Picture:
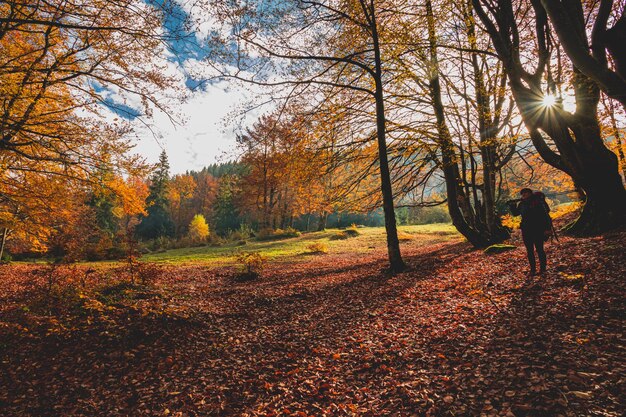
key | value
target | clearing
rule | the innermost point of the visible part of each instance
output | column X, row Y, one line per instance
column 459, row 333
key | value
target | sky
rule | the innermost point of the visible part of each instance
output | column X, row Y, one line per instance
column 206, row 122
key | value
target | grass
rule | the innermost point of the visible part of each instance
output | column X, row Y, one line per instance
column 288, row 249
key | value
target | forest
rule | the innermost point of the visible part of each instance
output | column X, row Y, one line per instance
column 367, row 247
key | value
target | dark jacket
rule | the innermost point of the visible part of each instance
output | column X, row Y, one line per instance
column 535, row 213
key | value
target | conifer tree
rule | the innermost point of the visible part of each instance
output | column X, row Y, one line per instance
column 158, row 223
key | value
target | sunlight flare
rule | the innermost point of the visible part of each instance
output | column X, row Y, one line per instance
column 549, row 100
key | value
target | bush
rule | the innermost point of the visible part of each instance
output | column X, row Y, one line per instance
column 6, row 258
column 346, row 234
column 115, row 253
column 235, row 235
column 269, row 234
column 317, row 248
column 244, row 232
column 339, row 236
column 252, row 264
column 265, row 233
column 215, row 240
column 160, row 242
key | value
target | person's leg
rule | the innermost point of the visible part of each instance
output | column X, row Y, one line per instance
column 530, row 251
column 541, row 253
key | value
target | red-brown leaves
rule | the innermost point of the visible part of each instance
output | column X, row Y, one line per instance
column 458, row 334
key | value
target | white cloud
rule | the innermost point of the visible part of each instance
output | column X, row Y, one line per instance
column 208, row 124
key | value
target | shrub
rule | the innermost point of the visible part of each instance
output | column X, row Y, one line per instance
column 317, row 248
column 252, row 264
column 265, row 233
column 116, row 253
column 269, row 234
column 352, row 231
column 404, row 237
column 215, row 240
column 160, row 242
column 346, row 234
column 245, row 231
column 291, row 232
column 6, row 258
column 339, row 236
column 235, row 235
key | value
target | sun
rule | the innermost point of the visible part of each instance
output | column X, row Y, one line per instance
column 549, row 100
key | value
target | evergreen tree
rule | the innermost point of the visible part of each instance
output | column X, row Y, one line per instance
column 102, row 199
column 225, row 213
column 158, row 222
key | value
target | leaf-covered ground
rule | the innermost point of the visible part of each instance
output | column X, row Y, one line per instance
column 459, row 333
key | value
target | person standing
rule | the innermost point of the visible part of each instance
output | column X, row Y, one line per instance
column 536, row 225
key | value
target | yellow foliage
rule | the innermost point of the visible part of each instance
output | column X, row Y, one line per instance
column 198, row 228
column 317, row 247
column 566, row 208
column 512, row 222
column 252, row 262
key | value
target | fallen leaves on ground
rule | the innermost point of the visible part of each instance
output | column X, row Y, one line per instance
column 459, row 333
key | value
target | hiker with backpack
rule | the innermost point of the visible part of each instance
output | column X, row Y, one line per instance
column 536, row 225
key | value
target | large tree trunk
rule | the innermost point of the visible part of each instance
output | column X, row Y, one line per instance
column 582, row 154
column 489, row 121
column 393, row 244
column 458, row 202
column 580, row 151
column 605, row 205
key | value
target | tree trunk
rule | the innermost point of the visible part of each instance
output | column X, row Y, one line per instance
column 582, row 155
column 581, row 152
column 393, row 244
column 618, row 140
column 321, row 225
column 455, row 195
column 5, row 232
column 605, row 206
column 489, row 121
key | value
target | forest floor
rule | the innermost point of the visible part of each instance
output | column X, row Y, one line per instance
column 458, row 333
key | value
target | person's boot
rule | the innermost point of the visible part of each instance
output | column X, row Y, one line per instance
column 542, row 266
column 532, row 272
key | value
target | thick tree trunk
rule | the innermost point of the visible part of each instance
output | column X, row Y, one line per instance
column 605, row 206
column 492, row 223
column 582, row 155
column 455, row 196
column 581, row 152
column 489, row 121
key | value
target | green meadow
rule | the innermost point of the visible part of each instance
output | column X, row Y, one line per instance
column 289, row 249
